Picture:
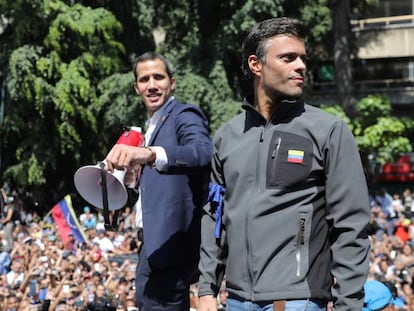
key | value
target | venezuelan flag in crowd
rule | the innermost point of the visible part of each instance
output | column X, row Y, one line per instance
column 66, row 220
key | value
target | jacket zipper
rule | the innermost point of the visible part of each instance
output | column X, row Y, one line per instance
column 277, row 147
column 258, row 186
column 300, row 238
column 261, row 135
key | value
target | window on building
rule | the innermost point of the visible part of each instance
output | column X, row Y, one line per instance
column 387, row 8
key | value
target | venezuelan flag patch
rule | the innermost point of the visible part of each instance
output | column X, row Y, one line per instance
column 295, row 156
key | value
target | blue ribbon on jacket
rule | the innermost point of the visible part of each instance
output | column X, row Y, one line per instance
column 215, row 195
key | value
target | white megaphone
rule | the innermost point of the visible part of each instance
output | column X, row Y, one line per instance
column 88, row 182
column 89, row 179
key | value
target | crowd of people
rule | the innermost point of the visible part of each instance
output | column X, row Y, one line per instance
column 38, row 271
column 391, row 233
column 298, row 192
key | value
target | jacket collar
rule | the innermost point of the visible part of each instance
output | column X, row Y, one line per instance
column 160, row 116
column 286, row 111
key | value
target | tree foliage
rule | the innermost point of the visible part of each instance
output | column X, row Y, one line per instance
column 53, row 108
column 379, row 136
column 70, row 84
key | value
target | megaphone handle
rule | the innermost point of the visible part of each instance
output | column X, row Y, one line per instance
column 107, row 225
column 115, row 219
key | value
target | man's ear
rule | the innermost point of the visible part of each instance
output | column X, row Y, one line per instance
column 136, row 89
column 255, row 65
column 172, row 83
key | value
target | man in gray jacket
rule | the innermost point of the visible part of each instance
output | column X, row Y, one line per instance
column 288, row 198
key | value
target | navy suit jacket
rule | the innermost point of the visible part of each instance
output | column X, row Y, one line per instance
column 172, row 200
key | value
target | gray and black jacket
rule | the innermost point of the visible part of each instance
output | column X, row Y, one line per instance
column 295, row 209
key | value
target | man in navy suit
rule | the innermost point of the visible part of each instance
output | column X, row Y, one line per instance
column 172, row 170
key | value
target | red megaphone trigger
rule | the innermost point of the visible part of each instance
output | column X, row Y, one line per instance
column 132, row 136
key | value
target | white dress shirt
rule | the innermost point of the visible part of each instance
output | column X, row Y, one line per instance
column 161, row 159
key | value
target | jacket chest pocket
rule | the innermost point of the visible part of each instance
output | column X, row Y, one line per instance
column 289, row 160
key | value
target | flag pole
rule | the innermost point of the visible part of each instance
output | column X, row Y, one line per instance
column 48, row 214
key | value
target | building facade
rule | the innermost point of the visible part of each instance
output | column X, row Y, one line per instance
column 384, row 61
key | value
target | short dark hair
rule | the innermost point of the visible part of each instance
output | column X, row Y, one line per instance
column 153, row 56
column 254, row 44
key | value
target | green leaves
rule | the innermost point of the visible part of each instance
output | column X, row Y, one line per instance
column 213, row 95
column 78, row 29
column 375, row 130
column 70, row 85
column 54, row 106
column 119, row 106
column 317, row 15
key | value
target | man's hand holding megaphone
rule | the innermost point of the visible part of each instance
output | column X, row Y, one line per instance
column 130, row 158
column 123, row 166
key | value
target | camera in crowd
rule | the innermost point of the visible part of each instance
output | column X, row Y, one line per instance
column 102, row 304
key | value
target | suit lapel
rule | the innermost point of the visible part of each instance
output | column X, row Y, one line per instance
column 164, row 116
